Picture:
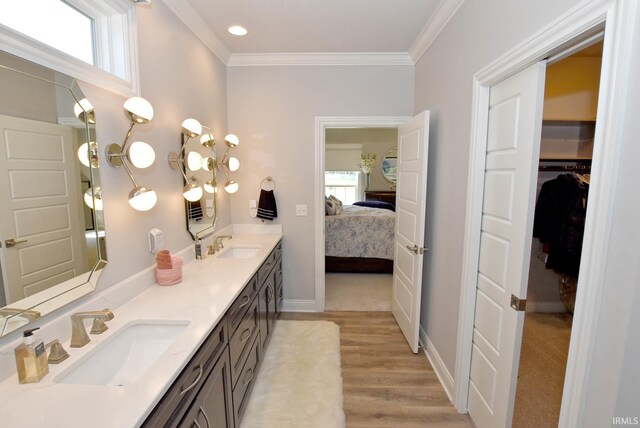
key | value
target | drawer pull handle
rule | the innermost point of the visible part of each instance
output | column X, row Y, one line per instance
column 195, row 422
column 243, row 338
column 206, row 418
column 195, row 382
column 245, row 303
column 269, row 293
column 246, row 381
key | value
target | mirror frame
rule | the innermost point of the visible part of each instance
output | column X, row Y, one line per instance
column 61, row 294
column 387, row 155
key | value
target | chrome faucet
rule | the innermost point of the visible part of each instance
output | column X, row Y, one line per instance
column 217, row 244
column 79, row 336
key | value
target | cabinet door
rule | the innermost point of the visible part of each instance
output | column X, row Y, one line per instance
column 263, row 304
column 213, row 407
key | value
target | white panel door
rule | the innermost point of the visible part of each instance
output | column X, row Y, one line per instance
column 41, row 206
column 411, row 196
column 513, row 145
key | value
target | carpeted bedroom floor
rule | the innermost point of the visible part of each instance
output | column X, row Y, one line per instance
column 358, row 291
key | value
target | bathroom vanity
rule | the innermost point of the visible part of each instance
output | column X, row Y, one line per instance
column 211, row 331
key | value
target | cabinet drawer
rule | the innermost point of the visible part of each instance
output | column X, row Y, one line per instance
column 268, row 264
column 241, row 340
column 242, row 390
column 238, row 309
column 174, row 403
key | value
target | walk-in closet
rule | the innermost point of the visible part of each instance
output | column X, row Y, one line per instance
column 569, row 122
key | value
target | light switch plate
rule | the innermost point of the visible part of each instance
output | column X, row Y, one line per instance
column 301, row 210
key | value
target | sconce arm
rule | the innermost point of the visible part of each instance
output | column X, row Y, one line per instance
column 126, row 139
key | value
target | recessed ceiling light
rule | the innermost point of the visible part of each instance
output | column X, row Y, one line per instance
column 237, row 30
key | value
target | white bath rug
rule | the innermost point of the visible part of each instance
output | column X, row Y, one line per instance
column 300, row 381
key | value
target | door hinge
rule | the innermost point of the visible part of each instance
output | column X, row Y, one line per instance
column 518, row 304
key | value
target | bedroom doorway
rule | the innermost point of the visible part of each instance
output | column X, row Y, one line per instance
column 359, row 182
column 348, row 139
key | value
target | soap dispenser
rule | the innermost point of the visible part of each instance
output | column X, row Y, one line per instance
column 31, row 359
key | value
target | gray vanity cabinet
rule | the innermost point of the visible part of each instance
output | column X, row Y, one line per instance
column 214, row 389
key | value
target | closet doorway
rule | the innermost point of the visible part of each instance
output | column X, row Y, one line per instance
column 359, row 223
column 566, row 148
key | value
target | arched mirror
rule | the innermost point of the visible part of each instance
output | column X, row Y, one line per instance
column 51, row 225
column 388, row 166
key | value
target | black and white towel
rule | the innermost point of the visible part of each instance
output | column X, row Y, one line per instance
column 267, row 209
column 195, row 210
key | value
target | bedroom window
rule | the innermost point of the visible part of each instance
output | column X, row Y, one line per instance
column 344, row 185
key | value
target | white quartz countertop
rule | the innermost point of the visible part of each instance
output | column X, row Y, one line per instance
column 207, row 290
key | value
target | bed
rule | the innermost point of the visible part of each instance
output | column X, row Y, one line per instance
column 360, row 239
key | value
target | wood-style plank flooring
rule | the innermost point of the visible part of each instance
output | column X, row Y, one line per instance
column 385, row 384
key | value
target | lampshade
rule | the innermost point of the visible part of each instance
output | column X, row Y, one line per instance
column 141, row 154
column 207, row 139
column 84, row 111
column 233, row 164
column 83, row 154
column 192, row 192
column 191, row 128
column 209, row 186
column 138, row 110
column 94, row 200
column 208, row 164
column 232, row 140
column 142, row 198
column 231, row 187
column 194, row 161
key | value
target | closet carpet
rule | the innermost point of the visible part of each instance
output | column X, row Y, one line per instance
column 358, row 291
column 543, row 360
column 385, row 384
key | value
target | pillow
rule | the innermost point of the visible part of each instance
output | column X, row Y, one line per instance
column 336, row 200
column 330, row 207
column 376, row 204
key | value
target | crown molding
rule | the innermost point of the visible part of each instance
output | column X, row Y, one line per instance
column 289, row 59
column 442, row 15
column 187, row 14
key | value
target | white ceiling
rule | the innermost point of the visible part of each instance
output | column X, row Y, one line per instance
column 316, row 26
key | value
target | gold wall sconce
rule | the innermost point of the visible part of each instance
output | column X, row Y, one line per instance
column 193, row 161
column 139, row 154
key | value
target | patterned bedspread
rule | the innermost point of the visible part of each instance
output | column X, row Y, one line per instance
column 360, row 232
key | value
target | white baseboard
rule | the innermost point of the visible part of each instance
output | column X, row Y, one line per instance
column 546, row 307
column 445, row 378
column 291, row 305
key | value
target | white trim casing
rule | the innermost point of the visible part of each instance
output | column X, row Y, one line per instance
column 445, row 378
column 584, row 18
column 322, row 123
column 440, row 18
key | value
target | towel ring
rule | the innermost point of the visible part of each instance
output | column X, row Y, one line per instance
column 268, row 180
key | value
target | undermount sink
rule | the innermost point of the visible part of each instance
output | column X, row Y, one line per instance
column 125, row 357
column 239, row 253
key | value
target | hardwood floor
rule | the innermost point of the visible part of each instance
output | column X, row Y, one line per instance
column 385, row 384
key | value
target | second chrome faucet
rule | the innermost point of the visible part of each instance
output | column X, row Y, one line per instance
column 79, row 336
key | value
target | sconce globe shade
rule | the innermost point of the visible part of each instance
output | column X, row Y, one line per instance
column 234, row 164
column 138, row 110
column 232, row 140
column 210, row 186
column 207, row 140
column 142, row 198
column 84, row 109
column 192, row 192
column 208, row 164
column 141, row 154
column 191, row 128
column 194, row 161
column 83, row 154
column 94, row 201
column 231, row 187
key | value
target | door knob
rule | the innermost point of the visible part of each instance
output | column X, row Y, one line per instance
column 416, row 250
column 12, row 242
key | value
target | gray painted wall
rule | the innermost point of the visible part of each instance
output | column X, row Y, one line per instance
column 478, row 34
column 273, row 111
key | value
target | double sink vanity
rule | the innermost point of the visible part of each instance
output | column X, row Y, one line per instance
column 182, row 355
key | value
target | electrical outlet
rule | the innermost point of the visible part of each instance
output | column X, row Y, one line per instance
column 301, row 210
